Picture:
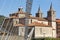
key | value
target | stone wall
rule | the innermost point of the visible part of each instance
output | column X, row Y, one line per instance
column 12, row 38
column 43, row 32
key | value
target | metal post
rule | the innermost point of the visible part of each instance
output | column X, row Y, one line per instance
column 3, row 23
column 28, row 11
column 26, row 26
column 7, row 36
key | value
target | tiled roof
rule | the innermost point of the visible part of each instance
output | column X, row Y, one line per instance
column 58, row 20
column 16, row 13
column 39, row 19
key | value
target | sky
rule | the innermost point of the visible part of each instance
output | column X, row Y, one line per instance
column 11, row 6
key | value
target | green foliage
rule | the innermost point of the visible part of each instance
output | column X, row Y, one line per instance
column 46, row 38
column 1, row 19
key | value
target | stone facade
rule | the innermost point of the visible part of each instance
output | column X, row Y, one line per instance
column 43, row 32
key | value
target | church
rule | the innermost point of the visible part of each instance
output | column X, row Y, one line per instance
column 43, row 26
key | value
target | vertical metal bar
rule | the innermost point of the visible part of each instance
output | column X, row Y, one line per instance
column 7, row 36
column 29, row 6
column 28, row 11
column 26, row 26
column 3, row 23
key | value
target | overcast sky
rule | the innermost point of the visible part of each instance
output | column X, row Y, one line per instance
column 10, row 6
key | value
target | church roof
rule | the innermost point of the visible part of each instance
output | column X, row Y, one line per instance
column 40, row 19
column 51, row 8
column 20, row 11
column 39, row 10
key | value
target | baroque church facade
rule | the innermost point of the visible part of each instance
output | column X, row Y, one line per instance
column 43, row 27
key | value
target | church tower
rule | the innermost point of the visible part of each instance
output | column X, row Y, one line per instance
column 51, row 15
column 52, row 20
column 39, row 13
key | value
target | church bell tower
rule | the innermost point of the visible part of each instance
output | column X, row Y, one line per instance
column 39, row 13
column 52, row 20
column 51, row 15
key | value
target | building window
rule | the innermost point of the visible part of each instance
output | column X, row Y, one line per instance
column 40, row 30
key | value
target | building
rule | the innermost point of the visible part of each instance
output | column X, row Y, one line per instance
column 43, row 26
column 58, row 27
